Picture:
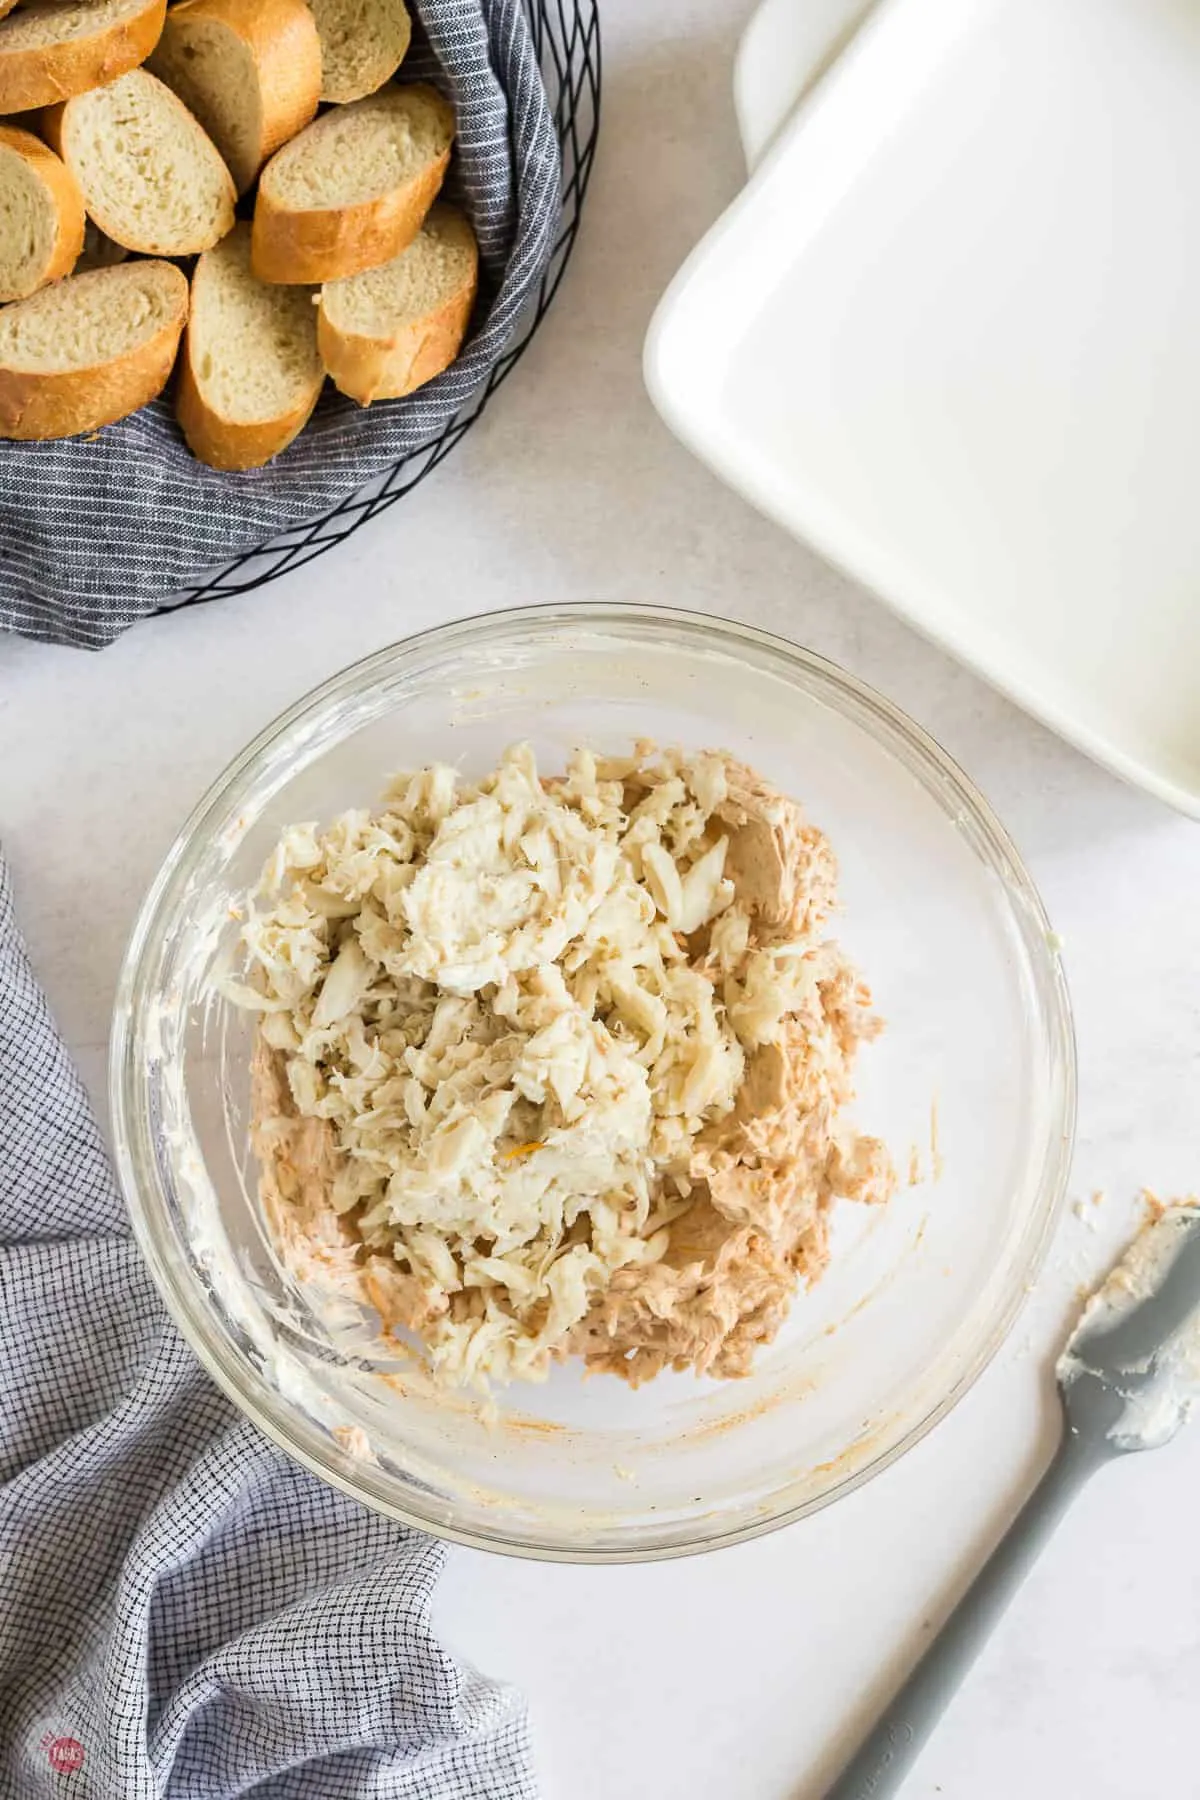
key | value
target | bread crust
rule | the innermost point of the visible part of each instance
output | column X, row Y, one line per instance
column 381, row 72
column 281, row 37
column 39, row 404
column 43, row 74
column 368, row 367
column 227, row 443
column 55, row 125
column 213, row 437
column 65, row 198
column 310, row 245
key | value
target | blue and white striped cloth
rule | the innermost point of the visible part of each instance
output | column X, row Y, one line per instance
column 184, row 1614
column 95, row 535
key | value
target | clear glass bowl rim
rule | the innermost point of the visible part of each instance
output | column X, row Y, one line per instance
column 130, row 1113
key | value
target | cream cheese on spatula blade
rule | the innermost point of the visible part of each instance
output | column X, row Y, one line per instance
column 1139, row 1336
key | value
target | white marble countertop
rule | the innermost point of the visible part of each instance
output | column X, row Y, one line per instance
column 743, row 1672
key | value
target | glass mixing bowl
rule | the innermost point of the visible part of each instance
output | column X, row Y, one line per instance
column 972, row 1085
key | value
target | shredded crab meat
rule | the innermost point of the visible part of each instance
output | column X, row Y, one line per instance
column 522, row 1041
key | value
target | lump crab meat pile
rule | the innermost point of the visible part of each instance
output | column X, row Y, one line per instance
column 554, row 1067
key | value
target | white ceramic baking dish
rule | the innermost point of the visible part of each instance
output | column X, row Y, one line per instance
column 947, row 335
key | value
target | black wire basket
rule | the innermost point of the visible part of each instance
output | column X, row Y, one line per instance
column 566, row 34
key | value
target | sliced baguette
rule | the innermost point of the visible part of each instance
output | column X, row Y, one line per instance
column 151, row 177
column 363, row 43
column 250, row 70
column 389, row 330
column 89, row 350
column 351, row 191
column 250, row 372
column 41, row 215
column 56, row 48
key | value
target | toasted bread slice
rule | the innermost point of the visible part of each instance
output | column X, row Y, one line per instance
column 363, row 43
column 250, row 372
column 89, row 350
column 151, row 177
column 55, row 48
column 351, row 191
column 250, row 70
column 41, row 215
column 389, row 330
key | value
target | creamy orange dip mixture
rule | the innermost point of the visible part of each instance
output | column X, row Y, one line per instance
column 558, row 1067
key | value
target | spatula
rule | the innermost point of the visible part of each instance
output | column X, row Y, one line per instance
column 1127, row 1380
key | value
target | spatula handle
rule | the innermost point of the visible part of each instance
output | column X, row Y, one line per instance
column 879, row 1766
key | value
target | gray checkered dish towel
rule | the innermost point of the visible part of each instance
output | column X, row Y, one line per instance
column 184, row 1614
column 94, row 536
